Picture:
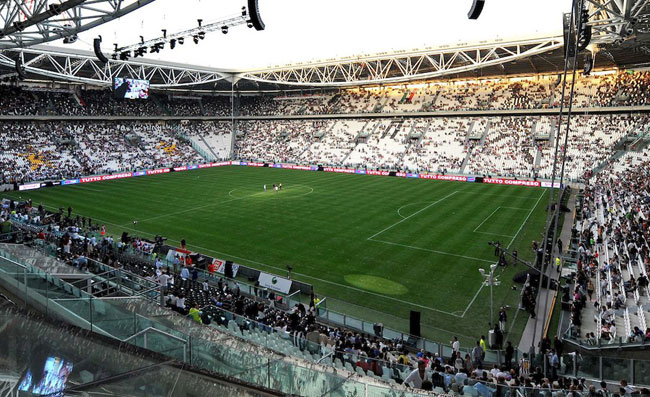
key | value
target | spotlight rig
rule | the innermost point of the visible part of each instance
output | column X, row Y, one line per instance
column 249, row 16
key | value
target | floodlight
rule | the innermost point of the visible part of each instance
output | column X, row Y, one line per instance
column 172, row 43
column 482, row 271
column 224, row 29
column 196, row 39
column 181, row 40
column 493, row 267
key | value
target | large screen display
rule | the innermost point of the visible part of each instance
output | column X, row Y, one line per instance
column 130, row 88
column 52, row 382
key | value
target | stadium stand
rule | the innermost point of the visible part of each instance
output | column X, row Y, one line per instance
column 610, row 297
column 33, row 151
column 599, row 90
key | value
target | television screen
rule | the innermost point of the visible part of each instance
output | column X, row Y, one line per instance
column 130, row 88
column 52, row 382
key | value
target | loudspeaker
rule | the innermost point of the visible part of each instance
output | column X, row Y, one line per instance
column 254, row 13
column 20, row 69
column 475, row 11
column 98, row 50
column 227, row 271
column 414, row 328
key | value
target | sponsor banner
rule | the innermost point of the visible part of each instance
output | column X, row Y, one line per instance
column 339, row 170
column 314, row 168
column 278, row 166
column 255, row 164
column 428, row 176
column 116, row 176
column 158, row 171
column 176, row 251
column 140, row 173
column 471, row 179
column 275, row 283
column 70, row 182
column 382, row 173
column 239, row 163
column 548, row 184
column 208, row 165
column 363, row 172
column 296, row 167
column 221, row 163
column 192, row 167
column 409, row 175
column 458, row 178
column 183, row 168
column 29, row 186
column 90, row 179
column 219, row 267
column 512, row 182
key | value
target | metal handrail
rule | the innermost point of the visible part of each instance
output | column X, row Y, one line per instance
column 155, row 330
column 145, row 332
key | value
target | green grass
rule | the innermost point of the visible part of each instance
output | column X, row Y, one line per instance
column 377, row 247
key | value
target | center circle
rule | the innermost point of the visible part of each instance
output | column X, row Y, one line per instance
column 287, row 191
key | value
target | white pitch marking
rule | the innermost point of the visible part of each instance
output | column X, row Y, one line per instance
column 488, row 217
column 508, row 247
column 406, row 205
column 412, row 215
column 495, row 234
column 218, row 203
column 525, row 220
column 430, row 250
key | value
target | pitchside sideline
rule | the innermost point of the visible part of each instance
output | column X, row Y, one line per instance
column 377, row 247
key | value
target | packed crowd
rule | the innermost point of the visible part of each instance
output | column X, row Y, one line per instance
column 35, row 151
column 628, row 88
column 610, row 299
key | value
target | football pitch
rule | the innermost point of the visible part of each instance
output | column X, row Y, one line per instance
column 376, row 247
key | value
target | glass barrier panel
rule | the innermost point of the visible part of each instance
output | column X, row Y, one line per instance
column 615, row 369
column 335, row 317
column 588, row 367
column 641, row 372
column 353, row 323
column 112, row 319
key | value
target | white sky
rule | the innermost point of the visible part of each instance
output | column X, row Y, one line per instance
column 304, row 30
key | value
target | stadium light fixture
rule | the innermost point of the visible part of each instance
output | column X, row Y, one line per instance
column 181, row 40
column 224, row 29
column 201, row 35
column 490, row 280
column 172, row 43
column 196, row 39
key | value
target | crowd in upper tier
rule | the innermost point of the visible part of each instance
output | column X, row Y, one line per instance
column 604, row 90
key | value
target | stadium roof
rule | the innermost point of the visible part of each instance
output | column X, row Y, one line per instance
column 467, row 58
